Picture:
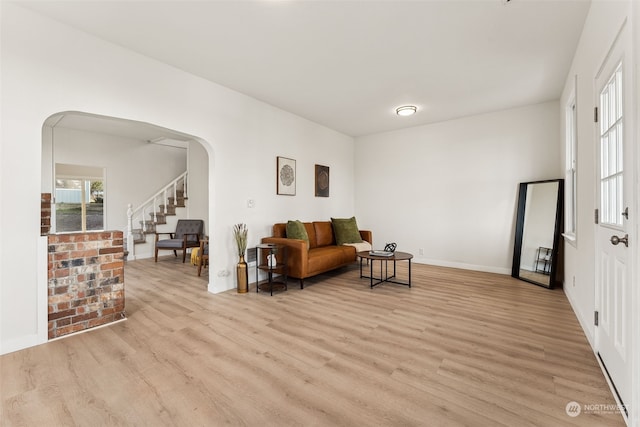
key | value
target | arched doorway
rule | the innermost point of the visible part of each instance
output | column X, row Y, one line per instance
column 97, row 166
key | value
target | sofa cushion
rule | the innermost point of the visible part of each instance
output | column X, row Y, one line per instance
column 346, row 230
column 170, row 243
column 311, row 232
column 280, row 230
column 324, row 233
column 325, row 258
column 297, row 230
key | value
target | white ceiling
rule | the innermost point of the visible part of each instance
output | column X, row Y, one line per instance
column 348, row 64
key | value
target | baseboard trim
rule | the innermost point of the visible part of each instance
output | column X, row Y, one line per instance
column 88, row 330
column 21, row 343
column 584, row 324
column 463, row 266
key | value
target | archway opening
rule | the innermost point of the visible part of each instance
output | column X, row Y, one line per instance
column 108, row 184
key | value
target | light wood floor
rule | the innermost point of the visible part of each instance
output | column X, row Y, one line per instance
column 458, row 348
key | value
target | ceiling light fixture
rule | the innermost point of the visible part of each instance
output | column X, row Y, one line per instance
column 406, row 110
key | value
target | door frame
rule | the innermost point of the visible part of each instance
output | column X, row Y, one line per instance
column 634, row 415
column 632, row 118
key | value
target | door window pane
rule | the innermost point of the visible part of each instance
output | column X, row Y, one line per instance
column 79, row 205
column 611, row 152
column 95, row 208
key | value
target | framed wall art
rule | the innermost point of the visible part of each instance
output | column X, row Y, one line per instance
column 286, row 176
column 322, row 181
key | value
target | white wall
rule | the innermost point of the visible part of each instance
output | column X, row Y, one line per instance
column 134, row 169
column 601, row 26
column 635, row 295
column 198, row 183
column 451, row 188
column 47, row 67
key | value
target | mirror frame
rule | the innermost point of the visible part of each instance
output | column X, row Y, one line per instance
column 517, row 248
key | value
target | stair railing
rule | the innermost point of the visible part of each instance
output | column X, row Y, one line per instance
column 140, row 213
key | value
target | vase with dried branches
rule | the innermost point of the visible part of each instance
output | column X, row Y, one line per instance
column 240, row 234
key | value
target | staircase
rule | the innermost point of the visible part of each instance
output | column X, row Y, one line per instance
column 162, row 209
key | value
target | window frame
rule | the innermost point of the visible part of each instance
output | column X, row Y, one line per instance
column 87, row 177
column 611, row 122
column 571, row 169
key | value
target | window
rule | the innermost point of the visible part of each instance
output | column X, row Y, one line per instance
column 571, row 170
column 79, row 200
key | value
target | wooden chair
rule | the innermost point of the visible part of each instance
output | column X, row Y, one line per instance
column 187, row 235
column 203, row 258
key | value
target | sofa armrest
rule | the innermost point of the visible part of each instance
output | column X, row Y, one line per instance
column 367, row 235
column 297, row 254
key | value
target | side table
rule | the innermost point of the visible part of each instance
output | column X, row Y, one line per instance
column 266, row 253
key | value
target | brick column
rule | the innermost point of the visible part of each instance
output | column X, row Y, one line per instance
column 86, row 281
column 45, row 213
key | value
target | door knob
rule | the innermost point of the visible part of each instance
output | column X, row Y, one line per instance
column 615, row 240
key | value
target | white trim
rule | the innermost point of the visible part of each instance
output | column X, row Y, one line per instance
column 463, row 266
column 571, row 162
column 603, row 64
column 21, row 343
column 625, row 417
column 634, row 404
column 630, row 118
column 584, row 323
column 87, row 330
column 42, row 277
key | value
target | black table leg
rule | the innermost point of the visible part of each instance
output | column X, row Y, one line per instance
column 371, row 274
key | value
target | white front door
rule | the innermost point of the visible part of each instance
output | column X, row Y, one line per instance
column 613, row 269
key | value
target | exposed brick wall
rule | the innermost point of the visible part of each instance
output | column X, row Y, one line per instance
column 86, row 281
column 45, row 213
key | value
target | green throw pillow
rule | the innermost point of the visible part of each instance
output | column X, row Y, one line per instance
column 296, row 230
column 346, row 230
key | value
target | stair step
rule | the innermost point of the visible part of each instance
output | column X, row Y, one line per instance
column 158, row 218
column 168, row 209
column 179, row 203
column 151, row 227
column 138, row 236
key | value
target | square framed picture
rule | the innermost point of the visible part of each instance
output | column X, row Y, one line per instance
column 286, row 176
column 322, row 181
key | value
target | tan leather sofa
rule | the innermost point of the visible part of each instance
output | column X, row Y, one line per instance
column 323, row 254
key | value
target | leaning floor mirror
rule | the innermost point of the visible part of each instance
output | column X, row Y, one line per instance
column 538, row 228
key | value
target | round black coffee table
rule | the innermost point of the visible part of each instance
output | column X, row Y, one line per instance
column 384, row 278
